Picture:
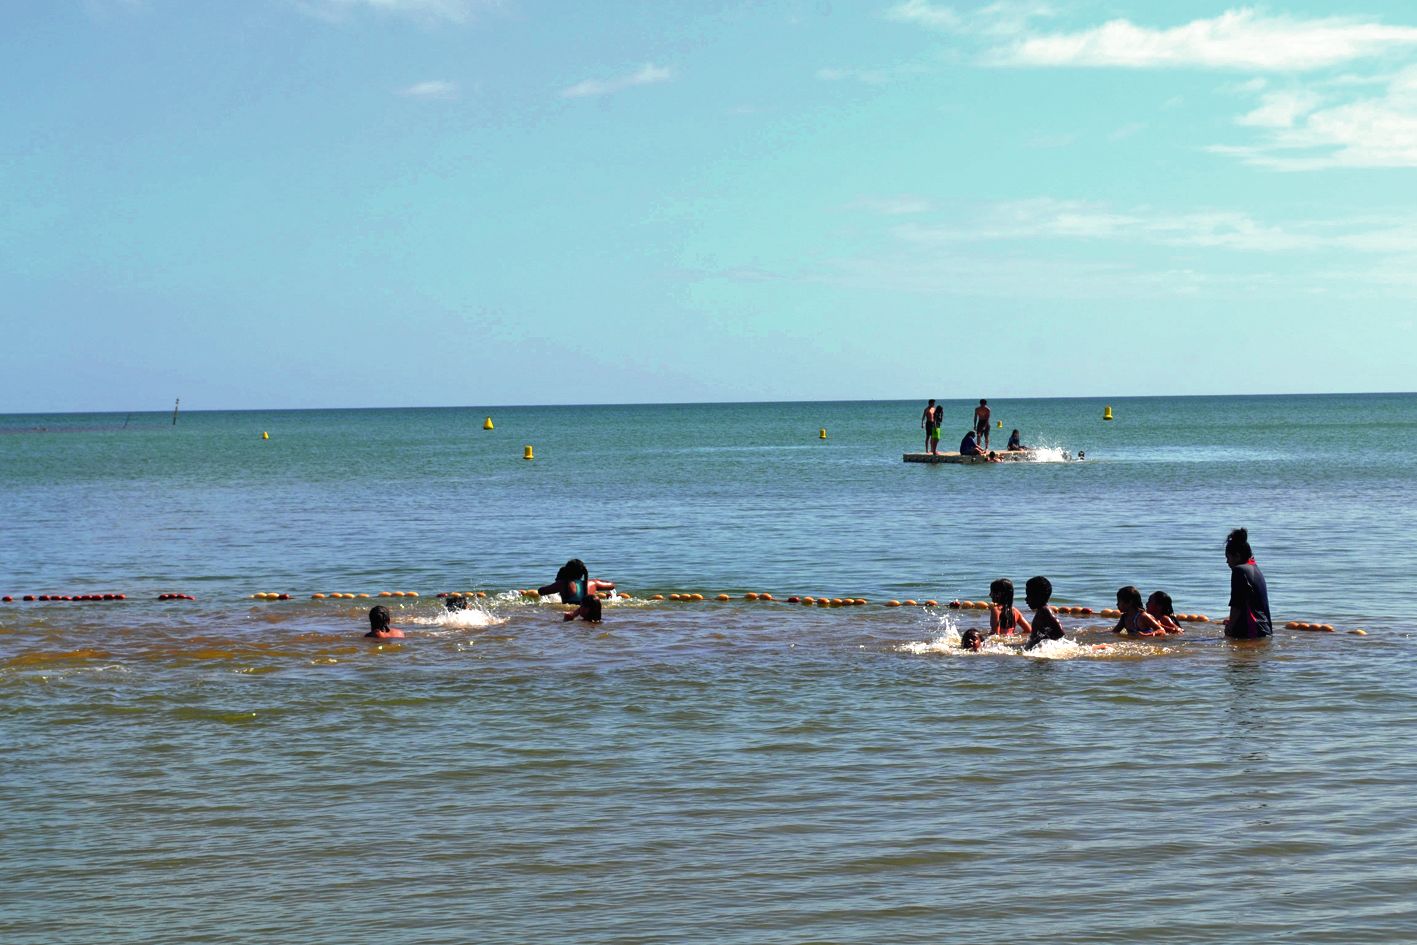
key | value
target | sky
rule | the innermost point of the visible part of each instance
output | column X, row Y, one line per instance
column 329, row 203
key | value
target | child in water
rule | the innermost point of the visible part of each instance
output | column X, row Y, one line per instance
column 574, row 584
column 971, row 640
column 379, row 627
column 1159, row 606
column 1134, row 619
column 1036, row 593
column 1004, row 617
column 589, row 611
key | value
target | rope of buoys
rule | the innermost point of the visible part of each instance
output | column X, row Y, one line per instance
column 266, row 596
column 175, row 597
column 71, row 598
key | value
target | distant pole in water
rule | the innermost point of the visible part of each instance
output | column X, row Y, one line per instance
column 126, row 419
column 175, row 404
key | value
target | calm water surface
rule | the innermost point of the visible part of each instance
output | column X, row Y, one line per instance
column 225, row 769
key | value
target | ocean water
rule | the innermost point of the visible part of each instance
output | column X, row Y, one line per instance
column 225, row 769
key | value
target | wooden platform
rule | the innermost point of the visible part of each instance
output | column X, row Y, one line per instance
column 1017, row 456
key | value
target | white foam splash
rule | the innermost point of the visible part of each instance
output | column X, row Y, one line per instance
column 470, row 618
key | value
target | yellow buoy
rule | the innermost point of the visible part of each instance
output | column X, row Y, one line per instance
column 527, row 453
column 487, row 424
column 265, row 435
column 1107, row 412
column 1001, row 425
column 823, row 434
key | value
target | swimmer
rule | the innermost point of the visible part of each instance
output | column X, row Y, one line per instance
column 1134, row 619
column 1249, row 596
column 574, row 584
column 455, row 602
column 379, row 628
column 1159, row 606
column 589, row 611
column 981, row 422
column 971, row 640
column 1036, row 593
column 1004, row 617
column 1014, row 445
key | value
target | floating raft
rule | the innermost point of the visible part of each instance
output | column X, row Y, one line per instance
column 1017, row 456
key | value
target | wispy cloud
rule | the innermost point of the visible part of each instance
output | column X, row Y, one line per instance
column 432, row 89
column 451, row 11
column 1237, row 39
column 648, row 74
column 901, row 205
column 1305, row 133
column 925, row 14
column 1052, row 219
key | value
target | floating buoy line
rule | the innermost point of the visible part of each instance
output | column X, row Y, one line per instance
column 805, row 600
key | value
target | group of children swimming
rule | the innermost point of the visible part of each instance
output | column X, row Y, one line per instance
column 573, row 583
column 1156, row 618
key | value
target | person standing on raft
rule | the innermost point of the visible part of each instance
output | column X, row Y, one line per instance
column 1249, row 597
column 981, row 422
column 931, row 420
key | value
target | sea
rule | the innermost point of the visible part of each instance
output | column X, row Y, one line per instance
column 232, row 769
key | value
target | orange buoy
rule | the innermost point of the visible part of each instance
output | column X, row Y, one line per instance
column 724, row 597
column 909, row 603
column 696, row 596
column 1202, row 618
column 794, row 600
column 750, row 596
column 481, row 593
column 1326, row 627
column 932, row 603
column 386, row 594
column 765, row 597
column 657, row 597
column 823, row 602
column 1358, row 633
column 809, row 600
column 892, row 603
column 1292, row 625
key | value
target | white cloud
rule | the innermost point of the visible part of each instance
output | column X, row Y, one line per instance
column 1126, row 131
column 1378, row 131
column 432, row 89
column 648, row 74
column 1237, row 39
column 1047, row 218
column 924, row 14
column 452, row 11
column 1281, row 109
column 901, row 205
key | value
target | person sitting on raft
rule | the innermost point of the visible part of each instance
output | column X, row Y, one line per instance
column 969, row 446
column 1014, row 445
column 1159, row 606
column 379, row 628
column 1036, row 593
column 1134, row 619
column 574, row 584
column 1004, row 617
column 589, row 611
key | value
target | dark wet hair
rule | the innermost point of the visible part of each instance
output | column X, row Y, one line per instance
column 1237, row 543
column 1015, row 433
column 1129, row 595
column 1165, row 600
column 969, row 637
column 983, row 402
column 1041, row 585
column 591, row 608
column 1001, row 592
column 458, row 602
column 378, row 617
